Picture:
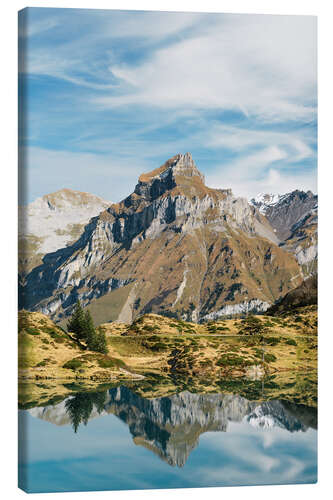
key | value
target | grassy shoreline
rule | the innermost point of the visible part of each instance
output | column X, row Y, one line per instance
column 254, row 348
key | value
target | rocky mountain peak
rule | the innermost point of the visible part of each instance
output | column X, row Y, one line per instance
column 180, row 164
column 180, row 170
column 268, row 202
column 185, row 166
column 286, row 210
column 264, row 200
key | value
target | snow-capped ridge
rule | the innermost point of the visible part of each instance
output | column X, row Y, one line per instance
column 264, row 200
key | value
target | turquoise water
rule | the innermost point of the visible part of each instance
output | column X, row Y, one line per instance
column 117, row 440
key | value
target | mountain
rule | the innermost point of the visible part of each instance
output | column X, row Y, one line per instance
column 171, row 426
column 306, row 294
column 174, row 246
column 52, row 222
column 294, row 218
column 265, row 200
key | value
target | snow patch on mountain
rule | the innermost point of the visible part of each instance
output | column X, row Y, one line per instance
column 264, row 200
column 54, row 220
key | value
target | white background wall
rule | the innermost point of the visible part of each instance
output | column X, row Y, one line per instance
column 8, row 229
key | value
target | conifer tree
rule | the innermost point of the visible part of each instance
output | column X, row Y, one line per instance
column 89, row 330
column 76, row 324
column 100, row 344
column 82, row 326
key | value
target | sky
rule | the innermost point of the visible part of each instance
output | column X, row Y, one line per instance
column 106, row 95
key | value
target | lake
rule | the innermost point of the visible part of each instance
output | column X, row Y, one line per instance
column 116, row 439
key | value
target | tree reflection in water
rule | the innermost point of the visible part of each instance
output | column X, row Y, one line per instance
column 80, row 406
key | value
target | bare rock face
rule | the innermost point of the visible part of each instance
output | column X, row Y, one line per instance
column 305, row 294
column 285, row 212
column 174, row 247
column 294, row 218
column 52, row 222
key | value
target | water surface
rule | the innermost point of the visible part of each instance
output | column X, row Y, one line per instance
column 116, row 439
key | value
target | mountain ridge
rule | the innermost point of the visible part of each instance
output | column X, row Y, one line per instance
column 173, row 246
column 294, row 217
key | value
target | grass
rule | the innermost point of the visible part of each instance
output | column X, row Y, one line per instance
column 203, row 354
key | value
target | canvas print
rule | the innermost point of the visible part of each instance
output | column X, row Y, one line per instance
column 167, row 323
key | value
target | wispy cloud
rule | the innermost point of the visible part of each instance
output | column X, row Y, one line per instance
column 255, row 64
column 261, row 174
column 130, row 89
column 85, row 58
column 295, row 143
column 263, row 161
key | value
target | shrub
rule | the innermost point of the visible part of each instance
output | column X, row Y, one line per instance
column 73, row 364
column 230, row 360
column 251, row 326
column 106, row 363
column 149, row 328
column 269, row 358
column 291, row 342
column 271, row 340
column 32, row 331
column 42, row 363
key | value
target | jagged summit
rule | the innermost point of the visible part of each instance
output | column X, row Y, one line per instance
column 286, row 211
column 179, row 165
column 264, row 200
column 178, row 174
column 267, row 202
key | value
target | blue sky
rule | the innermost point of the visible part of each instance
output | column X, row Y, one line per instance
column 111, row 94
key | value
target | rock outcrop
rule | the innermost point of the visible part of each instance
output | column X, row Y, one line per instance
column 304, row 295
column 52, row 222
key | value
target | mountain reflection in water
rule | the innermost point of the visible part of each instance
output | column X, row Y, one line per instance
column 171, row 426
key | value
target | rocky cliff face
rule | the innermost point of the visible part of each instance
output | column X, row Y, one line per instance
column 306, row 294
column 52, row 222
column 171, row 426
column 294, row 218
column 174, row 246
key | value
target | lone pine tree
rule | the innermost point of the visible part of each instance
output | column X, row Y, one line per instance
column 76, row 324
column 82, row 326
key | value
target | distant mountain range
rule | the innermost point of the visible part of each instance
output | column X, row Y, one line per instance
column 294, row 217
column 174, row 247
